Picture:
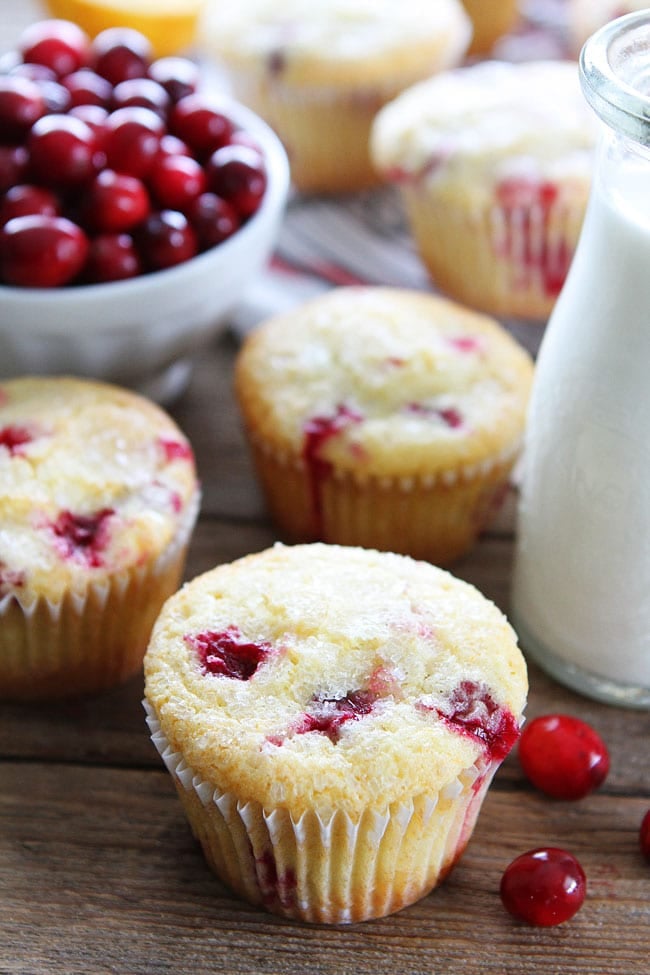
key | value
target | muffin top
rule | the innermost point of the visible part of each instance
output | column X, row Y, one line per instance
column 333, row 677
column 338, row 41
column 489, row 130
column 384, row 382
column 93, row 480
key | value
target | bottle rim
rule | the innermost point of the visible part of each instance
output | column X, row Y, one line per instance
column 615, row 74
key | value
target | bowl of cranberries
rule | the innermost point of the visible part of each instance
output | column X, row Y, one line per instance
column 136, row 205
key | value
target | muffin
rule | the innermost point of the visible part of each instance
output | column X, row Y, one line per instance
column 385, row 418
column 318, row 72
column 98, row 498
column 585, row 17
column 332, row 718
column 491, row 19
column 493, row 162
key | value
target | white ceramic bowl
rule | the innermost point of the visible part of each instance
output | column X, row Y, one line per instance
column 143, row 332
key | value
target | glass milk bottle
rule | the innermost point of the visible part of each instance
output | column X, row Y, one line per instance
column 581, row 587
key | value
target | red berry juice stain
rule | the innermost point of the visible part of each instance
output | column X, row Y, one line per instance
column 465, row 343
column 327, row 715
column 227, row 653
column 10, row 579
column 83, row 537
column 176, row 450
column 274, row 886
column 317, row 431
column 13, row 438
column 449, row 414
column 471, row 710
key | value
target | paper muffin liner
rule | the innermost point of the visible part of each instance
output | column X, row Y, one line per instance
column 91, row 640
column 436, row 517
column 328, row 869
column 507, row 261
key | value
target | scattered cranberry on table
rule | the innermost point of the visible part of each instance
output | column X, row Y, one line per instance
column 544, row 887
column 563, row 756
column 113, row 164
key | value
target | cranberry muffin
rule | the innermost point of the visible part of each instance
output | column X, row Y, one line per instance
column 332, row 718
column 98, row 498
column 493, row 161
column 384, row 418
column 318, row 71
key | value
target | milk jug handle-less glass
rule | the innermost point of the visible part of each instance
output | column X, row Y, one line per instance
column 581, row 583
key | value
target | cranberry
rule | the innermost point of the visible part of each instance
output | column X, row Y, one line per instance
column 21, row 104
column 450, row 415
column 115, row 201
column 202, row 127
column 176, row 450
column 40, row 251
column 35, row 72
column 58, row 44
column 228, row 654
column 213, row 219
column 178, row 76
column 170, row 145
column 165, row 239
column 143, row 93
column 644, row 835
column 13, row 438
column 327, row 715
column 120, row 53
column 471, row 710
column 57, row 98
column 94, row 116
column 237, row 173
column 176, row 181
column 544, row 887
column 63, row 149
column 88, row 88
column 112, row 257
column 83, row 537
column 24, row 198
column 563, row 756
column 317, row 431
column 132, row 140
column 14, row 162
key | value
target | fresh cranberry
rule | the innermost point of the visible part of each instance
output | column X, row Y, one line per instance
column 14, row 163
column 95, row 117
column 644, row 835
column 24, row 199
column 88, row 88
column 176, row 181
column 58, row 44
column 13, row 438
column 57, row 98
column 213, row 219
column 115, row 201
column 544, row 886
column 21, row 104
column 63, row 150
column 143, row 93
column 563, row 756
column 178, row 76
column 120, row 53
column 202, row 127
column 238, row 174
column 132, row 140
column 83, row 537
column 35, row 72
column 112, row 257
column 40, row 251
column 170, row 145
column 327, row 716
column 471, row 710
column 227, row 653
column 165, row 239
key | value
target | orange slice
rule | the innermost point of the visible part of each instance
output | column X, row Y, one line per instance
column 170, row 25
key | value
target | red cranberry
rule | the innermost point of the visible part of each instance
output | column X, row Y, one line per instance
column 21, row 104
column 35, row 72
column 57, row 98
column 14, row 163
column 115, row 201
column 112, row 257
column 143, row 93
column 58, row 44
column 171, row 146
column 471, row 710
column 120, row 53
column 83, row 537
column 24, row 199
column 562, row 756
column 228, row 654
column 132, row 140
column 178, row 76
column 95, row 117
column 41, row 252
column 238, row 174
column 165, row 239
column 88, row 88
column 644, row 835
column 176, row 181
column 63, row 149
column 327, row 716
column 544, row 887
column 13, row 438
column 213, row 219
column 202, row 127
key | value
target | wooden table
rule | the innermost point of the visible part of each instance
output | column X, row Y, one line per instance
column 99, row 872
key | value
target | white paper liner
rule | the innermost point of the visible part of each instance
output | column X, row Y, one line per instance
column 328, row 868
